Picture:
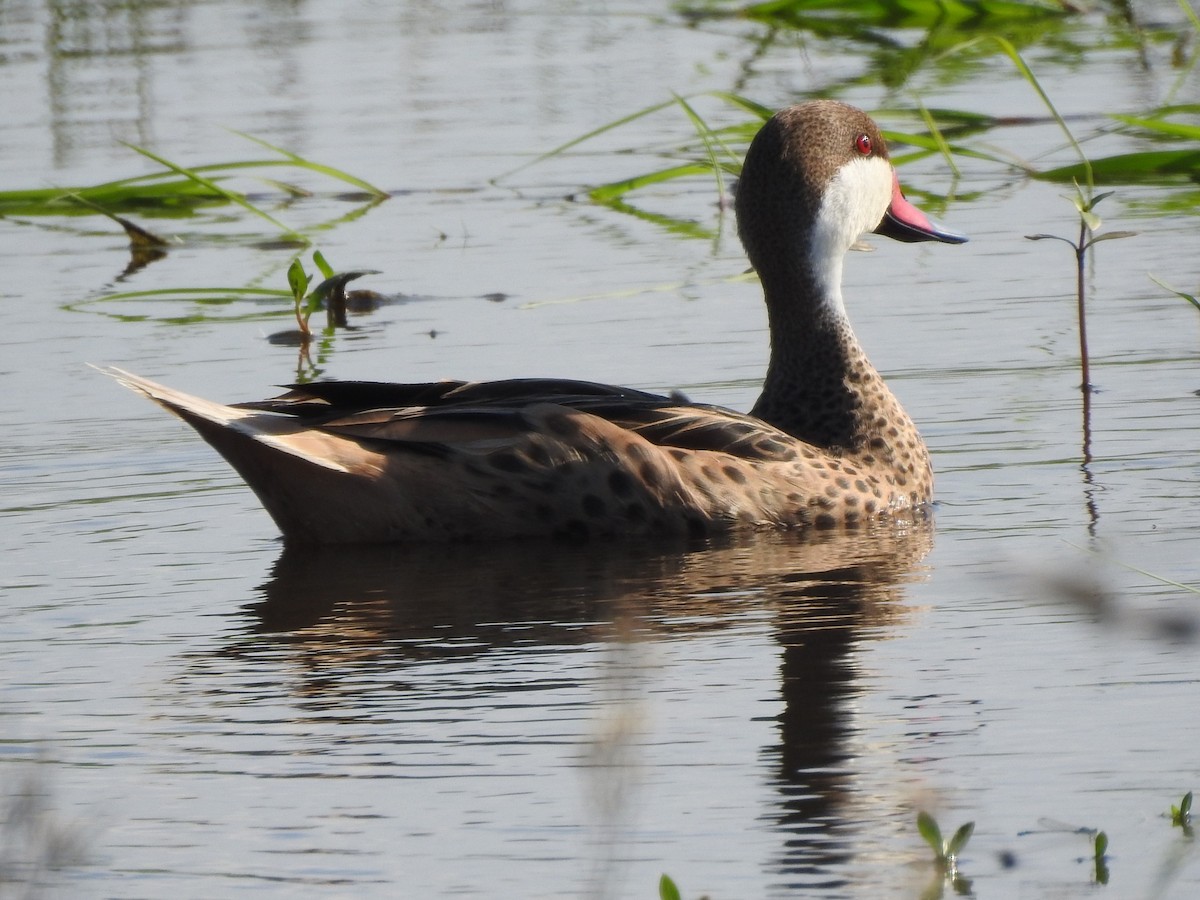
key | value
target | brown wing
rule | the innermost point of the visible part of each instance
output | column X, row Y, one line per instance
column 450, row 412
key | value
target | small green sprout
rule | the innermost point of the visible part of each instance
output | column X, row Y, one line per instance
column 298, row 282
column 667, row 889
column 945, row 852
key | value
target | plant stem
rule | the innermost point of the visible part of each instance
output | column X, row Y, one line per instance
column 1080, row 258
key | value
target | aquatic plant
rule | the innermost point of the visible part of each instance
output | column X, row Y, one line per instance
column 667, row 889
column 1181, row 815
column 1089, row 224
column 329, row 294
column 945, row 851
column 177, row 189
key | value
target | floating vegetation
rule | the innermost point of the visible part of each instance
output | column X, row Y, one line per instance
column 178, row 190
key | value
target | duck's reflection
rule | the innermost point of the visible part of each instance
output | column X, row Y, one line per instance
column 821, row 595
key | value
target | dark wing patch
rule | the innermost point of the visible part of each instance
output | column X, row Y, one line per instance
column 446, row 412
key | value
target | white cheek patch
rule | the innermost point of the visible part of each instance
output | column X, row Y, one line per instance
column 853, row 203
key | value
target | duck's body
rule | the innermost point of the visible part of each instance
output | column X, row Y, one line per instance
column 826, row 444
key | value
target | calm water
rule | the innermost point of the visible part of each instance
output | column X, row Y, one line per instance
column 208, row 715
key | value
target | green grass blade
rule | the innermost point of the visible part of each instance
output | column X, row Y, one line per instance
column 1190, row 13
column 608, row 192
column 1161, row 126
column 323, row 169
column 932, row 145
column 1013, row 54
column 938, row 139
column 595, row 132
column 231, row 196
column 710, row 144
column 750, row 106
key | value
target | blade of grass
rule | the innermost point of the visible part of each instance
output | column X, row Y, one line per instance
column 595, row 132
column 323, row 169
column 1174, row 129
column 938, row 139
column 231, row 196
column 608, row 192
column 1190, row 13
column 1013, row 54
column 1183, row 295
column 710, row 143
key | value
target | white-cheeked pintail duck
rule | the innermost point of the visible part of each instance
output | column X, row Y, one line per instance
column 826, row 445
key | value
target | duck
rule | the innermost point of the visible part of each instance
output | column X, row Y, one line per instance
column 827, row 444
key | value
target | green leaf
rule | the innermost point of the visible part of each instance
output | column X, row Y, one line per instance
column 667, row 889
column 960, row 839
column 1195, row 301
column 1084, row 165
column 1101, row 844
column 1185, row 805
column 326, row 268
column 1111, row 236
column 711, row 141
column 1049, row 237
column 297, row 279
column 231, row 196
column 927, row 826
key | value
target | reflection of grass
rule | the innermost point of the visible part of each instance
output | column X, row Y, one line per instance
column 897, row 13
column 205, row 297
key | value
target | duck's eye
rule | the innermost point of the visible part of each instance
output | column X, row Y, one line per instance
column 862, row 144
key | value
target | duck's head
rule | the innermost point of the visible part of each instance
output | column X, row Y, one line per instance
column 816, row 177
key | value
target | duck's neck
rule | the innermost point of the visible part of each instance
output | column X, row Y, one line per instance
column 820, row 387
